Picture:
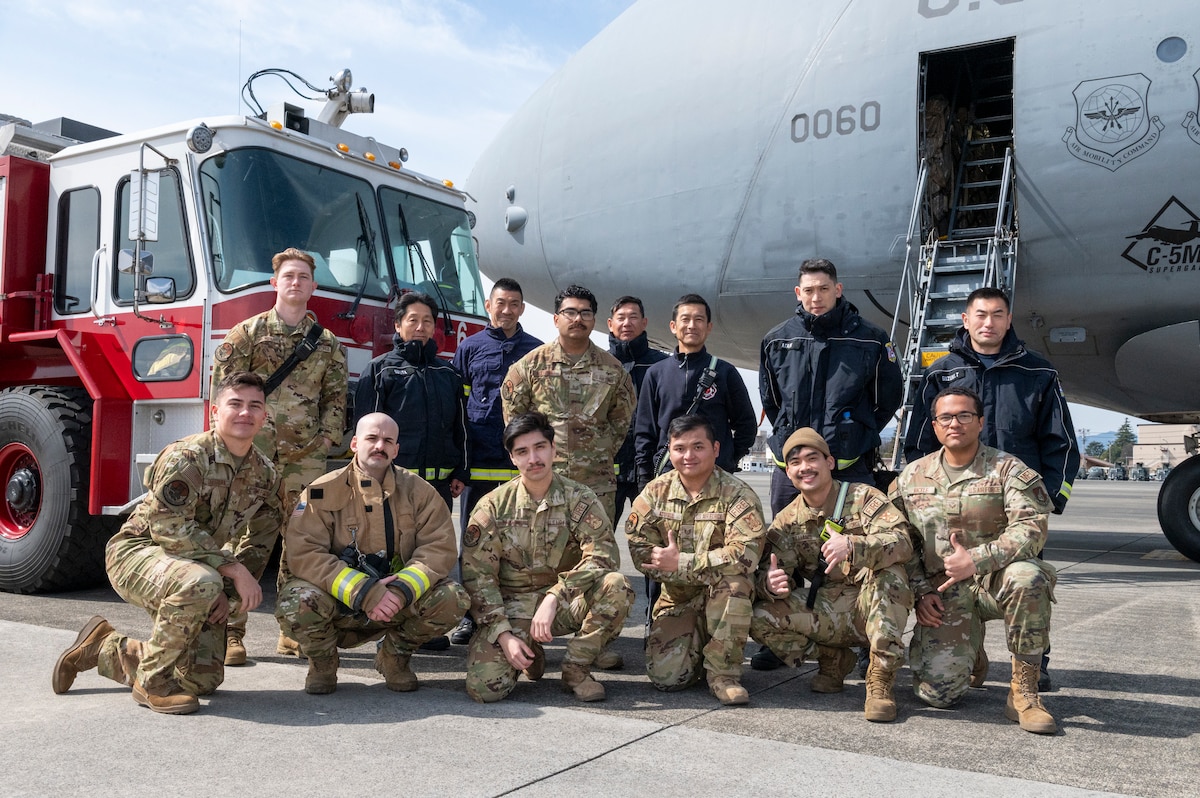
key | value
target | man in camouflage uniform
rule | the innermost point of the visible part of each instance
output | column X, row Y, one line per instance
column 854, row 554
column 305, row 414
column 369, row 559
column 699, row 532
column 978, row 520
column 583, row 390
column 170, row 558
column 521, row 597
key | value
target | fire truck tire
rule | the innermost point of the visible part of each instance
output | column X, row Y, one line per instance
column 1179, row 507
column 48, row 540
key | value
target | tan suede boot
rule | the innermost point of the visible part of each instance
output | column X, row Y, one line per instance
column 578, row 679
column 322, row 675
column 1024, row 704
column 833, row 665
column 728, row 691
column 881, row 703
column 235, row 649
column 288, row 647
column 397, row 675
column 177, row 703
column 609, row 660
column 82, row 655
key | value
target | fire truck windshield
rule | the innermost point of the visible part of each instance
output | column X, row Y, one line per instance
column 257, row 202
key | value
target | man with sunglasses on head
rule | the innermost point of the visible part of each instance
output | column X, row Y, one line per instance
column 978, row 520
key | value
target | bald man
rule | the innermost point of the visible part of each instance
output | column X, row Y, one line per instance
column 370, row 555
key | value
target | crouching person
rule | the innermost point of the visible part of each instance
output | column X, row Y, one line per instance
column 851, row 543
column 168, row 559
column 369, row 557
column 699, row 531
column 516, row 540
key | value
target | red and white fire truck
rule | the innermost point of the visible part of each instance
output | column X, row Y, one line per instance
column 124, row 260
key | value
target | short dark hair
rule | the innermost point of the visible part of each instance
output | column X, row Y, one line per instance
column 533, row 421
column 682, row 425
column 957, row 391
column 573, row 291
column 412, row 298
column 692, row 299
column 507, row 284
column 987, row 292
column 239, row 379
column 627, row 300
column 817, row 266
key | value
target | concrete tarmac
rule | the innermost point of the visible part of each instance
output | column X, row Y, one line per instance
column 1126, row 695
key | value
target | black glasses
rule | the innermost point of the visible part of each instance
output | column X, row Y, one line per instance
column 571, row 314
column 962, row 418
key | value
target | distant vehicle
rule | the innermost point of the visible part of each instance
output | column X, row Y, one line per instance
column 1118, row 472
column 1162, row 473
column 1097, row 472
column 1139, row 473
column 1082, row 474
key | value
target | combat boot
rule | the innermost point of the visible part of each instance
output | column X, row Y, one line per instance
column 287, row 647
column 322, row 675
column 728, row 690
column 1024, row 704
column 609, row 660
column 397, row 675
column 535, row 671
column 235, row 649
column 176, row 703
column 833, row 665
column 881, row 702
column 82, row 655
column 979, row 670
column 578, row 679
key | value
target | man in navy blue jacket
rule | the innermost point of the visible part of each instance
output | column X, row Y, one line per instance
column 673, row 388
column 627, row 342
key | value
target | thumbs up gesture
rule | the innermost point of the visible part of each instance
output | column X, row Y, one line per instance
column 959, row 565
column 777, row 579
column 665, row 559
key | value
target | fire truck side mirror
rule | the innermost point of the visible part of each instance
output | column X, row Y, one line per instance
column 160, row 290
column 125, row 262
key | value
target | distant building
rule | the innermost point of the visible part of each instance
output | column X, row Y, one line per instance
column 1164, row 445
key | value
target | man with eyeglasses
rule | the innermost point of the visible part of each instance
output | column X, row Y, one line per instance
column 1024, row 410
column 978, row 520
column 583, row 390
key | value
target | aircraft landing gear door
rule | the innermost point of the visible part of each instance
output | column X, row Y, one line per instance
column 966, row 125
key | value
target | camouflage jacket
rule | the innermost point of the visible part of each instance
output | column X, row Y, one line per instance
column 878, row 538
column 345, row 508
column 199, row 500
column 998, row 507
column 310, row 403
column 590, row 403
column 513, row 547
column 719, row 533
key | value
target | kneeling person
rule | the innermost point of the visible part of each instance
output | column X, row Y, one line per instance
column 202, row 492
column 369, row 558
column 517, row 537
column 698, row 531
column 852, row 544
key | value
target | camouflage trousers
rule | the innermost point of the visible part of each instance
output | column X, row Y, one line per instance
column 321, row 624
column 295, row 478
column 594, row 618
column 184, row 649
column 844, row 615
column 941, row 657
column 698, row 628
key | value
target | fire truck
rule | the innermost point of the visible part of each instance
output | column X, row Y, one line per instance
column 124, row 261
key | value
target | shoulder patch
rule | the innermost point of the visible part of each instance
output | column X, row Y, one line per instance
column 631, row 520
column 472, row 535
column 891, row 351
column 224, row 352
column 872, row 506
column 578, row 511
column 316, row 493
column 739, row 507
column 176, row 492
column 1029, row 476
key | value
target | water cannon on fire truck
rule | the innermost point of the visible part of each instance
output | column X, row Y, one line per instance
column 125, row 259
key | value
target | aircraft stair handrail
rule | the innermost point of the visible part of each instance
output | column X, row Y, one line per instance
column 908, row 280
column 1001, row 234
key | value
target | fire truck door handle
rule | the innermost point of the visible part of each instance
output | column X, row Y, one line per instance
column 100, row 320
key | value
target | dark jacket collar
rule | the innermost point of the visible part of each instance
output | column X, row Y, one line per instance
column 415, row 352
column 842, row 317
column 628, row 351
column 1011, row 347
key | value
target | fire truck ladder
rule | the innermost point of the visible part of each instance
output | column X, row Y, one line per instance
column 936, row 284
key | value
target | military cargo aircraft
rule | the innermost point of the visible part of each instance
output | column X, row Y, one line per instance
column 698, row 146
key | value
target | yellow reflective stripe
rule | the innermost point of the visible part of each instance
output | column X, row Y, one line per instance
column 1065, row 490
column 617, row 469
column 345, row 583
column 416, row 579
column 494, row 474
column 435, row 473
column 466, row 390
column 844, row 464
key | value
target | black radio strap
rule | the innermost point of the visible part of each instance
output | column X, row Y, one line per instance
column 306, row 347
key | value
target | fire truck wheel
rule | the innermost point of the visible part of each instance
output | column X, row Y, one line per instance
column 1179, row 507
column 48, row 541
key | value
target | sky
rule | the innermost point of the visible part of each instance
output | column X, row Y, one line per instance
column 446, row 74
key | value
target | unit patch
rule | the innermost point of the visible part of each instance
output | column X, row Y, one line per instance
column 176, row 493
column 1112, row 123
column 224, row 352
column 472, row 535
